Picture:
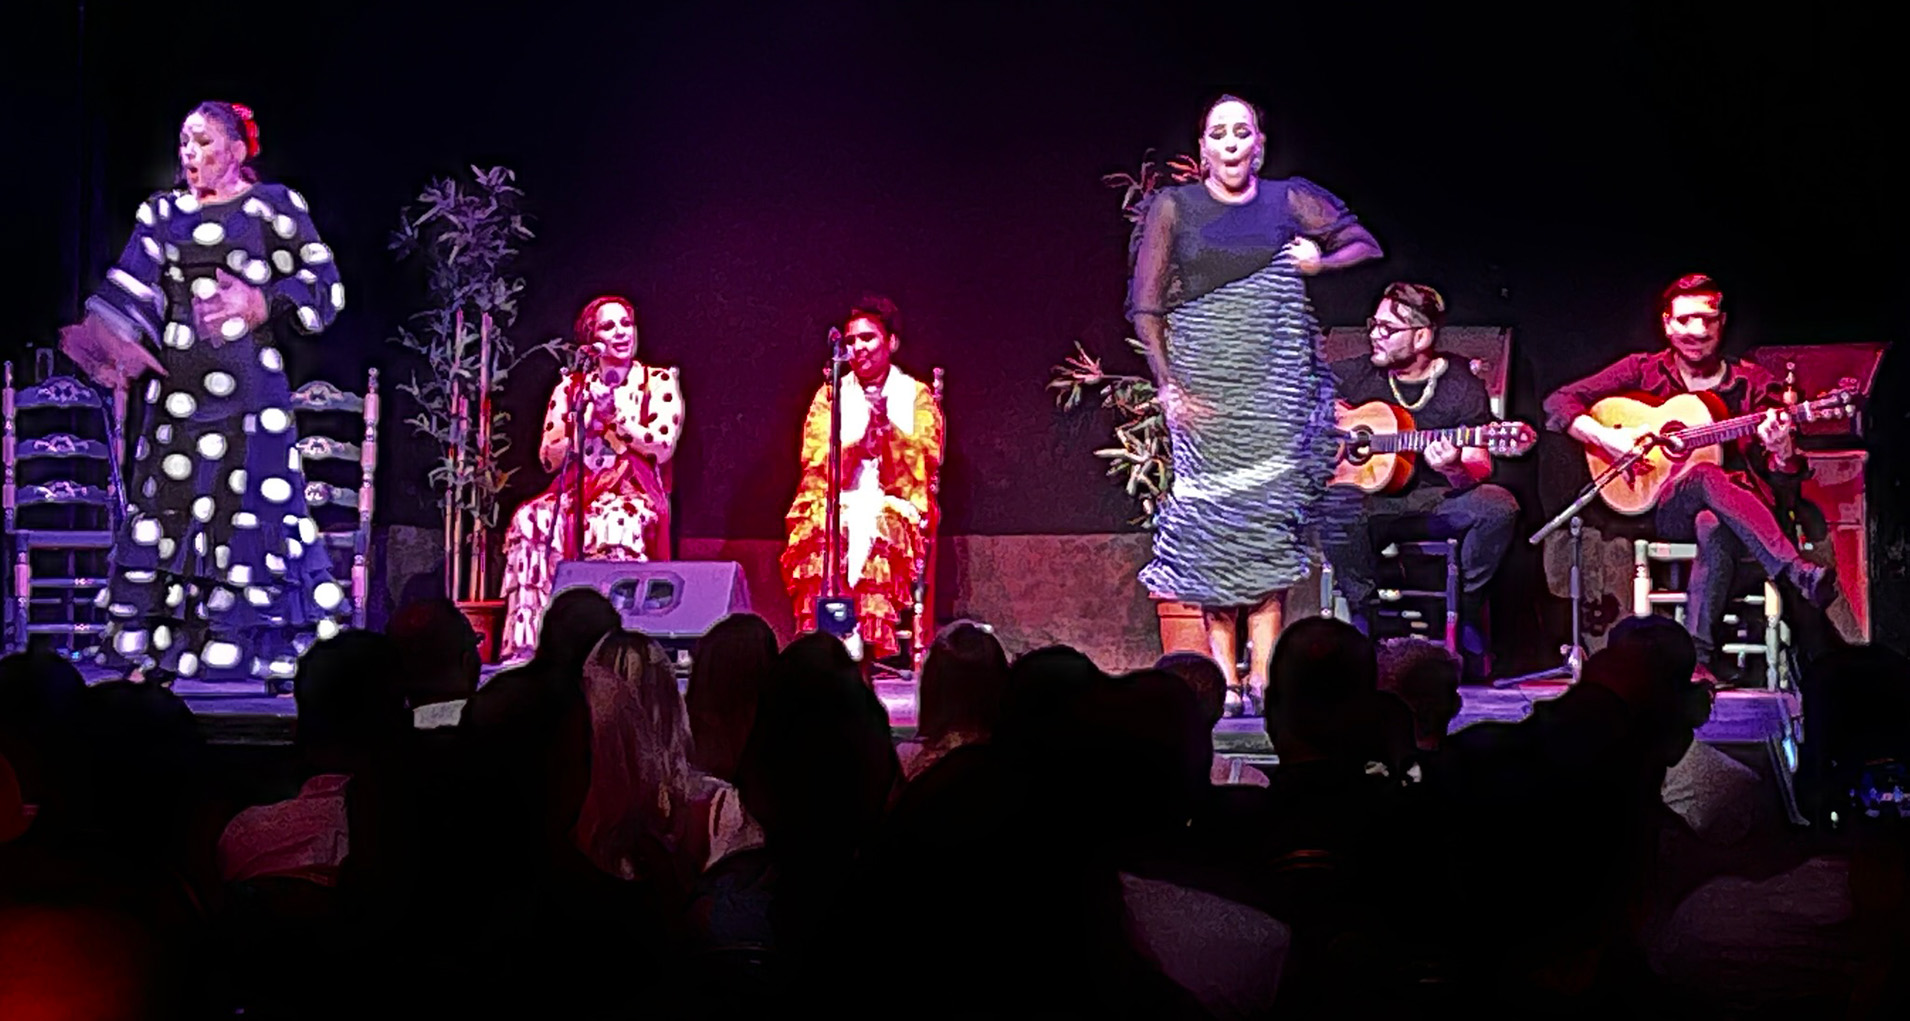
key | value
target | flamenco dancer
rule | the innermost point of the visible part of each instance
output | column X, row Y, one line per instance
column 632, row 419
column 1219, row 302
column 217, row 572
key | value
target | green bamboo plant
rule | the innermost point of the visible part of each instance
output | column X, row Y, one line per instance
column 466, row 234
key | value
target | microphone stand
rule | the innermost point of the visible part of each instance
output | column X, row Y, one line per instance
column 1575, row 652
column 834, row 614
column 577, row 404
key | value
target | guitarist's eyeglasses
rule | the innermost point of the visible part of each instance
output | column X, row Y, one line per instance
column 1386, row 329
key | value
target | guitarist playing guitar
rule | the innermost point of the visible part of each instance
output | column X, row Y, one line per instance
column 1725, row 508
column 1447, row 495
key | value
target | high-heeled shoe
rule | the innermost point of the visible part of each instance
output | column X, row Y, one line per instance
column 1255, row 696
column 1235, row 702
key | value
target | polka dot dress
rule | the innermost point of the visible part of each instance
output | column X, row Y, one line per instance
column 626, row 502
column 219, row 573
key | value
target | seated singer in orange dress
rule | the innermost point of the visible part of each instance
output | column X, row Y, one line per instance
column 891, row 448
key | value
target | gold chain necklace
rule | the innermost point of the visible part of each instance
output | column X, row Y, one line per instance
column 1432, row 384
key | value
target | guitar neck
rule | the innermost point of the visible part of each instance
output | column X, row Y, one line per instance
column 1719, row 432
column 1420, row 439
column 1741, row 426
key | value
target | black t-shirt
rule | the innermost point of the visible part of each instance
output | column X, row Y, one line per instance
column 1458, row 398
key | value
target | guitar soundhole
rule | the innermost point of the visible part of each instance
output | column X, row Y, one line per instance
column 1674, row 451
column 1359, row 446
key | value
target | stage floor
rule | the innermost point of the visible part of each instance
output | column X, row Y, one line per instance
column 243, row 714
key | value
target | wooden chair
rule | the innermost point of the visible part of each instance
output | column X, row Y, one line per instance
column 62, row 506
column 922, row 628
column 343, row 513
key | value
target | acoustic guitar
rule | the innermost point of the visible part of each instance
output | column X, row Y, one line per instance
column 1688, row 427
column 1379, row 446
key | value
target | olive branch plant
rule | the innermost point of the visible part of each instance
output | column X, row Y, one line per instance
column 1142, row 456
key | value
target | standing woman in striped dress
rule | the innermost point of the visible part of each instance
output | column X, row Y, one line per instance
column 1219, row 302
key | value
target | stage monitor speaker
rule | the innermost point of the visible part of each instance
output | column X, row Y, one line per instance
column 673, row 601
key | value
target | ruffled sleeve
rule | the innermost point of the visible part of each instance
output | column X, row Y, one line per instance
column 304, row 286
column 132, row 300
column 661, row 417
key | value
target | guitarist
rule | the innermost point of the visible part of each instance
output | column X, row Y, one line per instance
column 1448, row 495
column 1726, row 510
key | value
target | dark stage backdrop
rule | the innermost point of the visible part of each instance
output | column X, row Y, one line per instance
column 742, row 171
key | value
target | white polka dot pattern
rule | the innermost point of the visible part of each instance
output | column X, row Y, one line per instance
column 220, row 384
column 208, row 234
column 222, row 655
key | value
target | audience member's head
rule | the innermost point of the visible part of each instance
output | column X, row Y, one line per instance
column 1203, row 677
column 639, row 750
column 576, row 620
column 437, row 652
column 728, row 669
column 1648, row 663
column 350, row 708
column 1425, row 676
column 1152, row 751
column 144, row 762
column 963, row 681
column 820, row 764
column 1325, row 674
column 40, row 697
column 1045, row 691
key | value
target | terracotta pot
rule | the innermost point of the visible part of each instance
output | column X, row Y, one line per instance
column 487, row 619
column 1181, row 627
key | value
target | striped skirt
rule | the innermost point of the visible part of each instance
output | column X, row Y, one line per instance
column 1249, row 486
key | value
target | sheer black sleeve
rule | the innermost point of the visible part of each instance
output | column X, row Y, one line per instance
column 1153, row 272
column 1320, row 214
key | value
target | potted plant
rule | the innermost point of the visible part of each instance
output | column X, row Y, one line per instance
column 1141, row 458
column 466, row 233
